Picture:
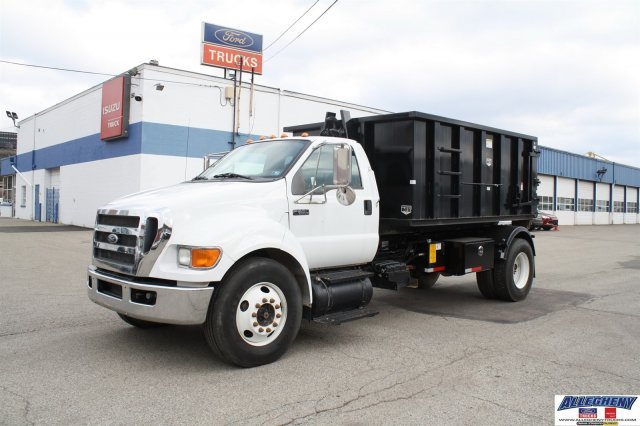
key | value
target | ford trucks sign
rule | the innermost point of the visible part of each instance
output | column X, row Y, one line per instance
column 228, row 37
column 114, row 115
column 226, row 47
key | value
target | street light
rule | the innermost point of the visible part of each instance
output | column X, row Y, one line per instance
column 13, row 116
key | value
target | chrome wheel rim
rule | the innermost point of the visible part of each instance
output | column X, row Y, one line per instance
column 521, row 270
column 261, row 314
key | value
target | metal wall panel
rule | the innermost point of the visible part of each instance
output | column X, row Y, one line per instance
column 568, row 164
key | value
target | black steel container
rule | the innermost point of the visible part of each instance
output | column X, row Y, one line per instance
column 435, row 171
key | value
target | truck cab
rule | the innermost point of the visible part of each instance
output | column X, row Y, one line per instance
column 291, row 205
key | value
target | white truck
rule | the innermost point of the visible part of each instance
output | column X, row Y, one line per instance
column 298, row 228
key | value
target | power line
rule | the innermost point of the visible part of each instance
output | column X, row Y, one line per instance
column 112, row 75
column 290, row 26
column 303, row 31
column 57, row 69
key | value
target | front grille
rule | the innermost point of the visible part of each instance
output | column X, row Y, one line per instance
column 115, row 241
column 118, row 220
column 129, row 243
column 119, row 257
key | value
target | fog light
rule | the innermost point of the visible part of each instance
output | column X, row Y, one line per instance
column 184, row 256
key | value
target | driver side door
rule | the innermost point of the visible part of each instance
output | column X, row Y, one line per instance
column 333, row 234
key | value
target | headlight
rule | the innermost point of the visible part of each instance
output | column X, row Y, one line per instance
column 199, row 257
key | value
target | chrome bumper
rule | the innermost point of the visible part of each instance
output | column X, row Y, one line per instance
column 171, row 305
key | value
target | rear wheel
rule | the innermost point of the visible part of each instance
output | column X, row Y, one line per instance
column 484, row 279
column 427, row 281
column 513, row 277
column 138, row 322
column 255, row 314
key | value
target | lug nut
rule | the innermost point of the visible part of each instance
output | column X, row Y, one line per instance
column 268, row 330
column 264, row 300
column 278, row 306
column 272, row 300
column 261, row 329
column 255, row 324
column 254, row 314
column 278, row 315
column 275, row 324
column 258, row 305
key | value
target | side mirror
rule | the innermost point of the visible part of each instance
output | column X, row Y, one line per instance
column 342, row 165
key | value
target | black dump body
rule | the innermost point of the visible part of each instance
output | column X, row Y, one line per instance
column 438, row 173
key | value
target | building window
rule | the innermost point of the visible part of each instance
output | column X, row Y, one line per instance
column 602, row 205
column 618, row 206
column 585, row 205
column 566, row 204
column 546, row 203
column 23, row 198
column 632, row 207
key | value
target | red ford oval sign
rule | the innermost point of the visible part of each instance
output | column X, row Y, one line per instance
column 230, row 37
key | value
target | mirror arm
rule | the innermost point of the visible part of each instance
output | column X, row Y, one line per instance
column 310, row 195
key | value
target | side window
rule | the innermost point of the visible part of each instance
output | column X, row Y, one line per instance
column 356, row 180
column 318, row 171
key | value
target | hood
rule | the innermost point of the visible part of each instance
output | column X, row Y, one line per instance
column 205, row 198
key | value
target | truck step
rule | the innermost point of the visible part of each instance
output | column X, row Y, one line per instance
column 337, row 318
column 336, row 277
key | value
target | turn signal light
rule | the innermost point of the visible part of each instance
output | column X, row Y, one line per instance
column 204, row 258
column 198, row 258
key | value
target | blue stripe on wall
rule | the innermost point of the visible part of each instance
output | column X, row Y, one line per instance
column 144, row 138
column 181, row 141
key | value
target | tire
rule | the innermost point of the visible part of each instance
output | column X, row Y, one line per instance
column 484, row 279
column 255, row 313
column 547, row 228
column 513, row 277
column 427, row 281
column 139, row 323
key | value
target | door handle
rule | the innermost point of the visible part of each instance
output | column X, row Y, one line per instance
column 368, row 209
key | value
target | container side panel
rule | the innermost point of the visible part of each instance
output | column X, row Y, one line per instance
column 466, row 167
column 393, row 163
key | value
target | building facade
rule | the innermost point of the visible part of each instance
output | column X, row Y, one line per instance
column 66, row 171
column 586, row 191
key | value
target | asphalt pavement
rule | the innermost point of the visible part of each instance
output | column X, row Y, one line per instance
column 440, row 356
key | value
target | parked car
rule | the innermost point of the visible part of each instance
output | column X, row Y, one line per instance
column 544, row 220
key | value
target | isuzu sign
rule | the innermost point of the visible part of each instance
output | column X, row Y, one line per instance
column 230, row 48
column 114, row 121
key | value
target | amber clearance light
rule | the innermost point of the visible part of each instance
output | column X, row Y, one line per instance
column 198, row 258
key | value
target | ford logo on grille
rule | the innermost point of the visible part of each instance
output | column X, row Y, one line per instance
column 112, row 239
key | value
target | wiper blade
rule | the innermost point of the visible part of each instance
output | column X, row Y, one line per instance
column 199, row 178
column 232, row 175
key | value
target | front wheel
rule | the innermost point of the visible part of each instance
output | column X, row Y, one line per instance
column 513, row 277
column 255, row 313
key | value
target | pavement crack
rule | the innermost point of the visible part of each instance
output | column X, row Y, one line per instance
column 608, row 312
column 27, row 404
column 575, row 366
column 359, row 396
column 504, row 407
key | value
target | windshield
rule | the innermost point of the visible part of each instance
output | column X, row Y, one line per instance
column 262, row 160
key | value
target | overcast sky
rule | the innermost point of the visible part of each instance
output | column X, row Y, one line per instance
column 565, row 71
